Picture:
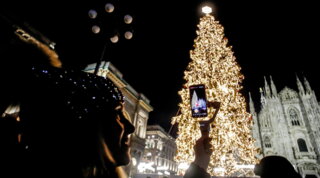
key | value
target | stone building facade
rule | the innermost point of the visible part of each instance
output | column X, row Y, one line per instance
column 159, row 153
column 288, row 124
column 137, row 108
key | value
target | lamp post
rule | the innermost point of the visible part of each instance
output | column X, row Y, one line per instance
column 109, row 15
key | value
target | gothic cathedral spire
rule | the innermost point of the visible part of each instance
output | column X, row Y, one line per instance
column 251, row 104
column 300, row 86
column 273, row 88
column 307, row 85
column 267, row 88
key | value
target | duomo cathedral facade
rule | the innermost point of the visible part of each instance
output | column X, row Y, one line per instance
column 288, row 124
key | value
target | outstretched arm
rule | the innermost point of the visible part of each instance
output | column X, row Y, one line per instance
column 203, row 149
column 205, row 125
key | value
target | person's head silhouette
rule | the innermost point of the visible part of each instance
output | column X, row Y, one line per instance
column 69, row 124
column 275, row 166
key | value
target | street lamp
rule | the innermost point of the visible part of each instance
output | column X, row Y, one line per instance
column 111, row 32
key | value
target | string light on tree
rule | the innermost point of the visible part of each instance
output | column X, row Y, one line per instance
column 214, row 65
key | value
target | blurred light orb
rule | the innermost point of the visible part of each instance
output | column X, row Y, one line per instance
column 206, row 9
column 134, row 161
column 114, row 39
column 128, row 35
column 109, row 7
column 128, row 19
column 92, row 14
column 95, row 29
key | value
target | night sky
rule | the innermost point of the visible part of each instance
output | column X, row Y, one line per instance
column 268, row 38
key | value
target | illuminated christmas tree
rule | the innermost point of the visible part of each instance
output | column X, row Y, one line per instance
column 214, row 65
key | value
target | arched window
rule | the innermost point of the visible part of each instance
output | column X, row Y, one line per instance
column 302, row 145
column 294, row 117
column 267, row 142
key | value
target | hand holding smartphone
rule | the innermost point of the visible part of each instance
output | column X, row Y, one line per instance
column 198, row 101
column 199, row 108
column 204, row 125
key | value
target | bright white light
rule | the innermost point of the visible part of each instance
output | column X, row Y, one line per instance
column 223, row 88
column 231, row 134
column 12, row 109
column 219, row 169
column 134, row 161
column 245, row 166
column 223, row 158
column 52, row 45
column 183, row 166
column 162, row 168
column 206, row 9
column 142, row 167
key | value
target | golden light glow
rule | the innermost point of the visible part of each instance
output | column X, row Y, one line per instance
column 206, row 9
column 213, row 64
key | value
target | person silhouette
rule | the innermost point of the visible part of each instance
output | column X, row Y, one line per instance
column 275, row 167
column 69, row 123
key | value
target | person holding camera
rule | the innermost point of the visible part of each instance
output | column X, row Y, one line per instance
column 203, row 149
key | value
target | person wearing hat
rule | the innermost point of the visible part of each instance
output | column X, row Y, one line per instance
column 70, row 123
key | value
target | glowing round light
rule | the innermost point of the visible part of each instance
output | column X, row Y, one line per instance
column 114, row 39
column 109, row 7
column 206, row 9
column 134, row 161
column 92, row 14
column 128, row 35
column 128, row 19
column 183, row 166
column 95, row 29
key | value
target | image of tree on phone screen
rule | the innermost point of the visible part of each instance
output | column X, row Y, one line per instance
column 198, row 101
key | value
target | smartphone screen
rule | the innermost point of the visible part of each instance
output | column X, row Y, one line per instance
column 198, row 100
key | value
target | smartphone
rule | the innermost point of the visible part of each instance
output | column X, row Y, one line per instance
column 198, row 100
